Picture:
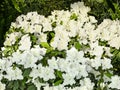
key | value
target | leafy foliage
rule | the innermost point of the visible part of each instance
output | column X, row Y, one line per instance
column 102, row 9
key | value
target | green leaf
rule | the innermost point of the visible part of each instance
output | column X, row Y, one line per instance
column 49, row 50
column 31, row 87
column 61, row 22
column 52, row 40
column 8, row 51
column 45, row 44
column 16, row 85
column 16, row 6
column 110, row 4
column 22, row 84
column 52, row 34
column 26, row 72
column 54, row 24
column 100, row 1
column 58, row 82
column 10, row 84
column 73, row 16
column 112, row 50
column 77, row 45
column 105, row 88
column 108, row 74
column 33, row 39
column 57, row 53
column 118, row 56
column 59, row 74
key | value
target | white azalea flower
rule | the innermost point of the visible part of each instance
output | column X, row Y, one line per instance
column 13, row 74
column 96, row 63
column 92, row 19
column 38, row 84
column 82, row 71
column 53, row 63
column 63, row 64
column 106, row 63
column 115, row 42
column 68, row 79
column 115, row 81
column 28, row 59
column 74, row 56
column 87, row 83
column 11, row 38
column 5, row 63
column 47, row 73
column 38, row 52
column 35, row 73
column 25, row 43
column 2, row 86
column 96, row 49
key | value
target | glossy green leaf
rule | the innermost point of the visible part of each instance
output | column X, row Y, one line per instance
column 52, row 34
column 26, row 72
column 77, row 45
column 44, row 44
column 73, row 16
column 58, row 82
column 108, row 74
column 59, row 74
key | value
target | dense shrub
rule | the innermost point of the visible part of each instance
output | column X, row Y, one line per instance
column 67, row 50
column 99, row 47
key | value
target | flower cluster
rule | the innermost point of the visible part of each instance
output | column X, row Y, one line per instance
column 64, row 51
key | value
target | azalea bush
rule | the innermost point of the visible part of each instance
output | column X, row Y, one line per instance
column 67, row 50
